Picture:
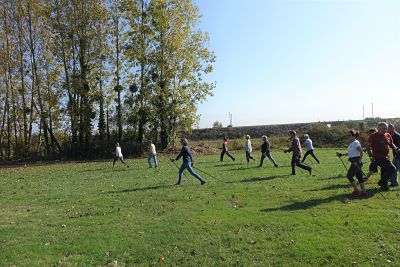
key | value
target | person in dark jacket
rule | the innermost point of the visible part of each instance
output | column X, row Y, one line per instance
column 295, row 148
column 225, row 150
column 187, row 163
column 266, row 152
column 396, row 156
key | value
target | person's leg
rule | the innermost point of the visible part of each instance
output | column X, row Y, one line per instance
column 181, row 169
column 271, row 159
column 315, row 157
column 262, row 159
column 250, row 157
column 115, row 159
column 387, row 170
column 222, row 155
column 229, row 155
column 293, row 164
column 350, row 176
column 149, row 159
column 122, row 160
column 359, row 176
column 155, row 161
column 247, row 156
column 371, row 169
column 393, row 177
column 305, row 155
column 304, row 167
column 191, row 171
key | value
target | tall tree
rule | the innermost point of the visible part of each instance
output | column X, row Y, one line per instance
column 183, row 59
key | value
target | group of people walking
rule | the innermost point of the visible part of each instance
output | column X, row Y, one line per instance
column 378, row 146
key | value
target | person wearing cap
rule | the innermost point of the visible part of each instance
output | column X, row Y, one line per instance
column 248, row 149
column 187, row 163
column 266, row 152
column 295, row 148
column 309, row 149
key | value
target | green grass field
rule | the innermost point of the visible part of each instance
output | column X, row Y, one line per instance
column 88, row 214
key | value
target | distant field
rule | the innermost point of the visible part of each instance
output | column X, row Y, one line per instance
column 88, row 214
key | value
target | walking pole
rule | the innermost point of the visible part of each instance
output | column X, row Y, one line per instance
column 313, row 169
column 183, row 172
column 340, row 157
column 208, row 174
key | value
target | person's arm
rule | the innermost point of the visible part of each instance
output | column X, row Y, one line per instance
column 359, row 149
column 180, row 154
column 368, row 148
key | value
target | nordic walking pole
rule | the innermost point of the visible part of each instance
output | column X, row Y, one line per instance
column 183, row 172
column 339, row 155
column 208, row 174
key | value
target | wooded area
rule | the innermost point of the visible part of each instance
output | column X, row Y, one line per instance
column 77, row 76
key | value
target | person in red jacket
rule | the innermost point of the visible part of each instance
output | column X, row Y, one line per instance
column 225, row 150
column 378, row 150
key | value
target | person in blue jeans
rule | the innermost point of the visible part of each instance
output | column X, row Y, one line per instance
column 152, row 156
column 187, row 163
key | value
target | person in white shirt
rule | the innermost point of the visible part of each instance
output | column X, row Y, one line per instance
column 355, row 153
column 248, row 149
column 118, row 155
column 152, row 156
column 310, row 149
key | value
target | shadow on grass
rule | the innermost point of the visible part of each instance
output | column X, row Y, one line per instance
column 331, row 187
column 139, row 189
column 339, row 176
column 304, row 205
column 228, row 164
column 258, row 179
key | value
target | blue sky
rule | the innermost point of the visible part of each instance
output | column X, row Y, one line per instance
column 287, row 61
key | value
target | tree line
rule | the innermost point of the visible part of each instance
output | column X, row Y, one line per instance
column 77, row 76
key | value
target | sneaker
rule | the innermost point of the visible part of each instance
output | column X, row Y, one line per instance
column 364, row 194
column 276, row 165
column 384, row 188
column 178, row 183
column 355, row 194
column 310, row 171
column 393, row 185
column 293, row 173
column 203, row 182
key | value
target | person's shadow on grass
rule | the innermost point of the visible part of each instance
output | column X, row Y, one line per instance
column 304, row 205
column 258, row 179
column 139, row 189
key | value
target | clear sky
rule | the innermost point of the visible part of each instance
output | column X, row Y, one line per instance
column 284, row 61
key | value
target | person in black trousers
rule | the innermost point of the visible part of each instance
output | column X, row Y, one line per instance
column 310, row 149
column 225, row 150
column 266, row 152
column 295, row 148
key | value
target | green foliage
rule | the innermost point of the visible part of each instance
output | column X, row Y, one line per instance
column 88, row 214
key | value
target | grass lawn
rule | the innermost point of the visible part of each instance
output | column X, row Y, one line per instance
column 88, row 214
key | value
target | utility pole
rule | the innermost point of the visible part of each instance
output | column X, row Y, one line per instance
column 372, row 105
column 363, row 112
